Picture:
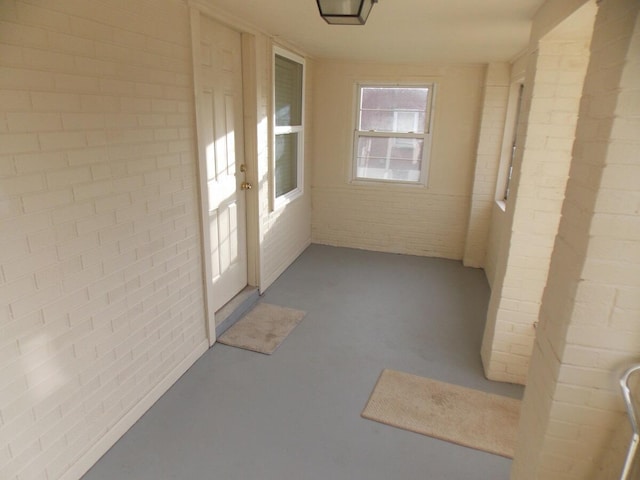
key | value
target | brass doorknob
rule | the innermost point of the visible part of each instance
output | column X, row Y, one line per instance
column 246, row 186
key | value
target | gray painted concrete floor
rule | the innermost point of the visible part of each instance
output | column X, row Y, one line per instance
column 295, row 415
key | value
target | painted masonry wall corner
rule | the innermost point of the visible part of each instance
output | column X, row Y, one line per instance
column 100, row 264
column 556, row 66
column 573, row 424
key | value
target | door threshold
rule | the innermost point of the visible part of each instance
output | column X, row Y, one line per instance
column 235, row 309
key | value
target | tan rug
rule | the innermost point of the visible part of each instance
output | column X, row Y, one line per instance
column 262, row 329
column 460, row 415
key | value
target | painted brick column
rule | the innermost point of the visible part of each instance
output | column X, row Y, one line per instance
column 590, row 315
column 553, row 88
column 494, row 111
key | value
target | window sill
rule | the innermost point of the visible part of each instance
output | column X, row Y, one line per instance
column 284, row 200
column 360, row 182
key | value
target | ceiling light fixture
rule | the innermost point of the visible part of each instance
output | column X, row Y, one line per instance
column 345, row 12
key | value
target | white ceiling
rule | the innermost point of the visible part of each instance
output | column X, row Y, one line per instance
column 398, row 30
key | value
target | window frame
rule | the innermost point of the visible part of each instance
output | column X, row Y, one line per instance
column 514, row 142
column 510, row 140
column 426, row 136
column 279, row 201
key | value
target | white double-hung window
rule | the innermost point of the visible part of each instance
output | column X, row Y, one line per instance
column 288, row 151
column 392, row 137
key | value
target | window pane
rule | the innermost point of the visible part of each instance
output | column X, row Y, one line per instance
column 288, row 92
column 286, row 177
column 393, row 109
column 387, row 158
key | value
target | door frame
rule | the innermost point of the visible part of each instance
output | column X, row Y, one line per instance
column 250, row 102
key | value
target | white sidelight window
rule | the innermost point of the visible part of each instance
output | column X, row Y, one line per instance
column 392, row 137
column 288, row 146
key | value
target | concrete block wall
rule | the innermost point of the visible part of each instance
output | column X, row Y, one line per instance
column 549, row 111
column 573, row 416
column 100, row 275
column 490, row 145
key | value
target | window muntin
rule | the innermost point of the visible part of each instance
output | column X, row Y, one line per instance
column 392, row 136
column 288, row 93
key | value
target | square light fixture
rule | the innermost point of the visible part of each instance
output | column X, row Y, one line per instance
column 345, row 12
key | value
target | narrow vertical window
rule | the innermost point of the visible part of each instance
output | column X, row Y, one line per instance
column 393, row 133
column 288, row 102
column 514, row 142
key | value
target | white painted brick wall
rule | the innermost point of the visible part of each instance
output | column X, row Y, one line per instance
column 589, row 328
column 549, row 112
column 492, row 127
column 428, row 221
column 433, row 225
column 100, row 275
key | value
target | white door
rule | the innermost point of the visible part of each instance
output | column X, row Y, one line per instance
column 220, row 136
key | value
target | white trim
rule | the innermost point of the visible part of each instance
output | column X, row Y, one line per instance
column 283, row 52
column 510, row 130
column 249, row 98
column 250, row 105
column 223, row 16
column 205, row 242
column 88, row 460
column 277, row 203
